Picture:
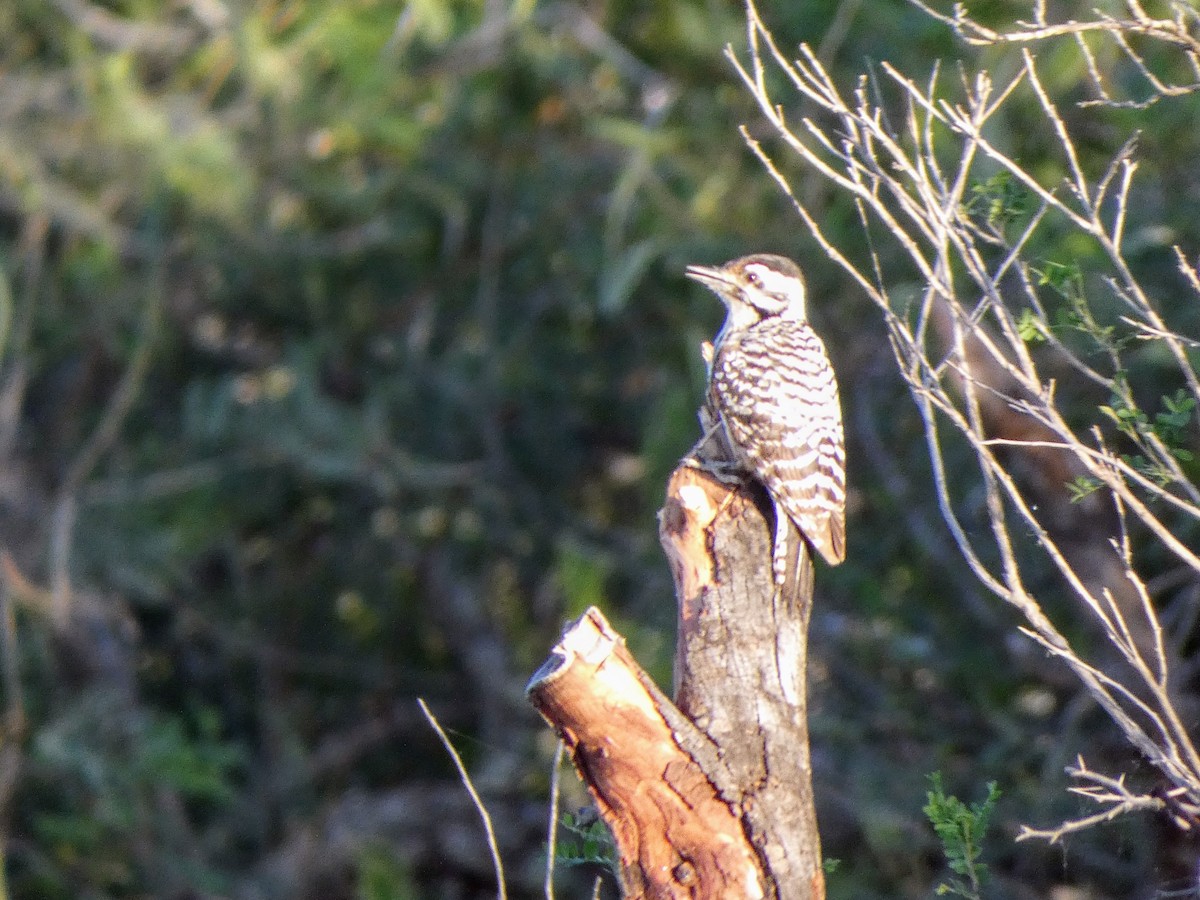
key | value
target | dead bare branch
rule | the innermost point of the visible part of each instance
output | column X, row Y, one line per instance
column 934, row 188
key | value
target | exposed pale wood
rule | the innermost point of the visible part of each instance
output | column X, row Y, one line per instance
column 676, row 837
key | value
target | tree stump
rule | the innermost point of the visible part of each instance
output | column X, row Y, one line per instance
column 709, row 796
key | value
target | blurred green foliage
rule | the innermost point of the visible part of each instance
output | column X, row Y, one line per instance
column 418, row 357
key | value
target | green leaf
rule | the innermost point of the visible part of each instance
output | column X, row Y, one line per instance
column 1030, row 327
column 1000, row 199
column 961, row 830
column 1082, row 487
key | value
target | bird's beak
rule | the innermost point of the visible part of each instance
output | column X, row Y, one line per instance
column 710, row 277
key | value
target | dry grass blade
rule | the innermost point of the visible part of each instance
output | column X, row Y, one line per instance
column 501, row 891
column 552, row 826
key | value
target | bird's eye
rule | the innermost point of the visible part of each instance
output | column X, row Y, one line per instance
column 754, row 278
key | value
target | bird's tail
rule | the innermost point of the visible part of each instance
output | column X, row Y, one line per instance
column 791, row 565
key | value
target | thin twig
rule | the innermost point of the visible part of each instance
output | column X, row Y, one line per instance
column 15, row 724
column 465, row 778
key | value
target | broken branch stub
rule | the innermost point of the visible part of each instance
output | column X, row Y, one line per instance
column 710, row 798
column 676, row 837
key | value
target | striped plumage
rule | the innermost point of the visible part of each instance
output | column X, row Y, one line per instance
column 772, row 389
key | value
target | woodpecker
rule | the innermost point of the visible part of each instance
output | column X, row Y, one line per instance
column 772, row 391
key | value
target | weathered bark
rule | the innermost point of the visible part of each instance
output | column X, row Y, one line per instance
column 711, row 798
column 740, row 667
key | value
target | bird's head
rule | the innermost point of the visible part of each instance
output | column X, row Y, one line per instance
column 755, row 287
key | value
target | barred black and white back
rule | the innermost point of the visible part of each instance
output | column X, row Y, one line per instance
column 772, row 389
